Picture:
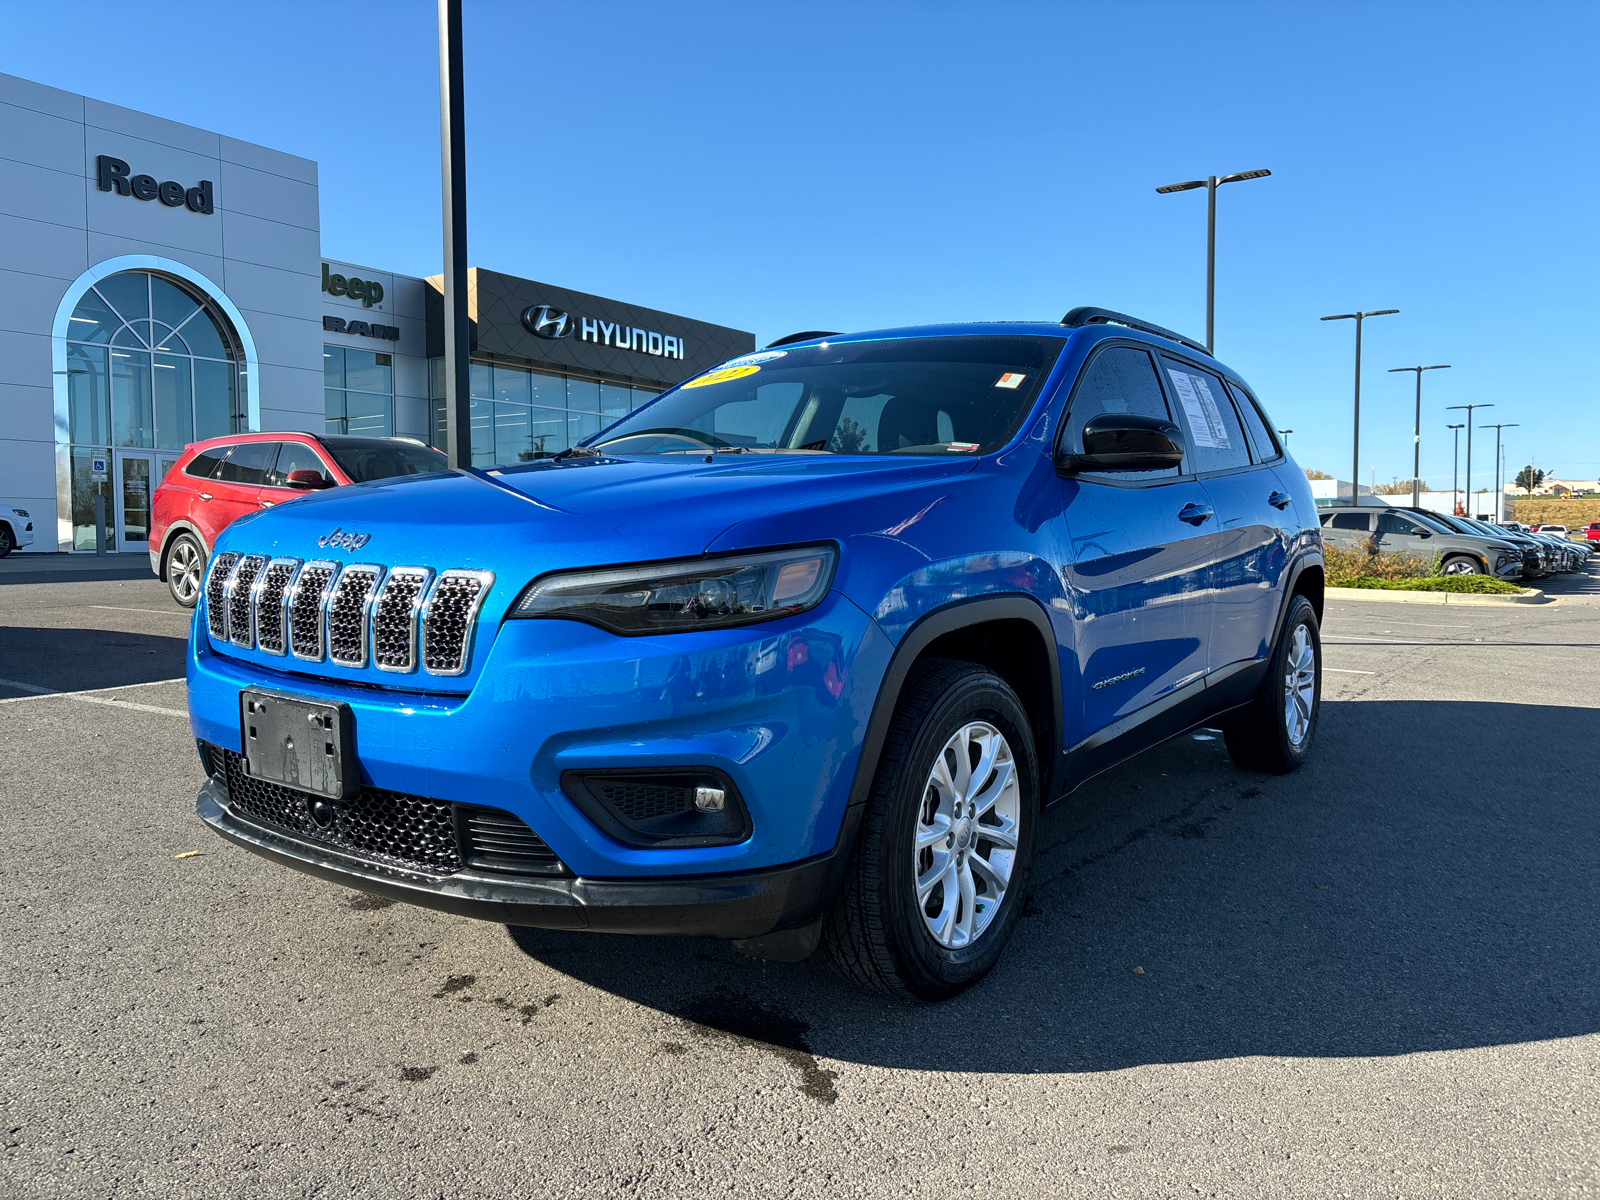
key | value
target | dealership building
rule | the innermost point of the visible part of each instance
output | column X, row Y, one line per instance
column 160, row 284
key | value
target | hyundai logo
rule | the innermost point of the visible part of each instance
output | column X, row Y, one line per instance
column 543, row 321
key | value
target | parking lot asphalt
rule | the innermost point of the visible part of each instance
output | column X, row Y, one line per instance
column 1377, row 977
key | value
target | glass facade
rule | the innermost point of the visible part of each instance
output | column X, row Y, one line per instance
column 358, row 391
column 519, row 414
column 150, row 366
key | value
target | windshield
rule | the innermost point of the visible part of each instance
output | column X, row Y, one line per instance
column 366, row 459
column 938, row 395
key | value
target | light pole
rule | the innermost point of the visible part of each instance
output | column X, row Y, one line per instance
column 453, row 169
column 1211, row 184
column 1469, row 408
column 1499, row 479
column 1416, row 433
column 1455, row 468
column 1355, row 444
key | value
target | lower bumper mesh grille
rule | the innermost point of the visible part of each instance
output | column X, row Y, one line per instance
column 395, row 829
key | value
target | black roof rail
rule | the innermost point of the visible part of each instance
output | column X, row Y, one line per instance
column 1084, row 315
column 803, row 337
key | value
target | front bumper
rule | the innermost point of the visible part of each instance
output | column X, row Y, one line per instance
column 740, row 905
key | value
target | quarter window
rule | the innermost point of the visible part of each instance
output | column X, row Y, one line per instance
column 1262, row 441
column 204, row 464
column 1119, row 379
column 1360, row 522
column 1215, row 439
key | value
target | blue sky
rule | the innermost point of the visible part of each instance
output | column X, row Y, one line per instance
column 785, row 166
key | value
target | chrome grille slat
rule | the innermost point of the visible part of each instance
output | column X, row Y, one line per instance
column 216, row 582
column 449, row 617
column 305, row 607
column 269, row 604
column 395, row 614
column 236, row 599
column 348, row 606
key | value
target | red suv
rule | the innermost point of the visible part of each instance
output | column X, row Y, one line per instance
column 219, row 480
column 1592, row 533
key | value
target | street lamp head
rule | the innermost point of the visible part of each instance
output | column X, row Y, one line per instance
column 1342, row 317
column 1239, row 176
column 1182, row 187
column 1463, row 425
column 1436, row 367
column 1382, row 312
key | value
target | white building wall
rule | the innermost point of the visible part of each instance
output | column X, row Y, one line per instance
column 260, row 248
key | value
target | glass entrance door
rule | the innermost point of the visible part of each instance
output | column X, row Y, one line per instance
column 138, row 472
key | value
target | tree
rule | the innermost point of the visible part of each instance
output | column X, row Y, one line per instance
column 1313, row 473
column 1400, row 487
column 1529, row 478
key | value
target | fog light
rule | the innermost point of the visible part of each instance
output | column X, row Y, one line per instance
column 710, row 799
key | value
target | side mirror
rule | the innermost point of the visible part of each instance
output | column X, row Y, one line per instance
column 1125, row 442
column 308, row 479
column 1424, row 533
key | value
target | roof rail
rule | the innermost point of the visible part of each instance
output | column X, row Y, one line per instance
column 1083, row 315
column 803, row 337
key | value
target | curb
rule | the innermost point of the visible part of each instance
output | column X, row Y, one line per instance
column 1526, row 596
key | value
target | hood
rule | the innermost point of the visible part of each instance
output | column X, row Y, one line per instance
column 521, row 522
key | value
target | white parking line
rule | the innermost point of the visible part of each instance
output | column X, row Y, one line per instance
column 1338, row 671
column 88, row 697
column 160, row 612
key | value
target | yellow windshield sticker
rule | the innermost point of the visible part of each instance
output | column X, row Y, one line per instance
column 721, row 375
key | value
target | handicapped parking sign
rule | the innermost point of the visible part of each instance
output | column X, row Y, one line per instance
column 97, row 465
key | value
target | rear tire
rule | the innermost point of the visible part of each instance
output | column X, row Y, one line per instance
column 1273, row 733
column 939, row 873
column 186, row 566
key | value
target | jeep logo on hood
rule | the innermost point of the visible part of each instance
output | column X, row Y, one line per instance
column 340, row 540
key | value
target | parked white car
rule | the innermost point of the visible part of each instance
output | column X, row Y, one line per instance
column 1559, row 531
column 16, row 526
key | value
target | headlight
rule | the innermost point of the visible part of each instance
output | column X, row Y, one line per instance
column 21, row 512
column 675, row 597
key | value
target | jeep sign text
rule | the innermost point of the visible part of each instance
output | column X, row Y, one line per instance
column 368, row 291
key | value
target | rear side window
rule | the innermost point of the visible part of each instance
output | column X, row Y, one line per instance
column 1216, row 442
column 295, row 456
column 1262, row 442
column 204, row 464
column 1360, row 522
column 248, row 463
column 1119, row 379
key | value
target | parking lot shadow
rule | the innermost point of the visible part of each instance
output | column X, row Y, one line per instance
column 72, row 659
column 1427, row 882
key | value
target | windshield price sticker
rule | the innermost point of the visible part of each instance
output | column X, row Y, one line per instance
column 721, row 375
column 1200, row 406
column 1011, row 379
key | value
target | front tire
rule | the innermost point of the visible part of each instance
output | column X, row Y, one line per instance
column 186, row 565
column 1273, row 733
column 939, row 873
column 1461, row 565
column 8, row 543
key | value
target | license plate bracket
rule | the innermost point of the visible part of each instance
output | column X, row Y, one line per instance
column 299, row 743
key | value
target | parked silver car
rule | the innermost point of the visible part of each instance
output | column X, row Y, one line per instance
column 1385, row 531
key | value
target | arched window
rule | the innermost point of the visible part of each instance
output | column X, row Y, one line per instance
column 151, row 364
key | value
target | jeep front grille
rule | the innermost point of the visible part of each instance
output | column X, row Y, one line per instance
column 390, row 829
column 271, row 590
column 448, row 617
column 347, row 613
column 216, row 584
column 364, row 614
column 306, row 599
column 394, row 618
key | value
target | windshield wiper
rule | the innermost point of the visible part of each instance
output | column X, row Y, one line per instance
column 575, row 452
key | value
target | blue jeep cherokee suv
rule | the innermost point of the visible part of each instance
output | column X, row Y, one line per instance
column 792, row 655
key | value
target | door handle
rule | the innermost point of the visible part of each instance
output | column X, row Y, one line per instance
column 1279, row 500
column 1196, row 514
column 265, row 503
column 205, row 495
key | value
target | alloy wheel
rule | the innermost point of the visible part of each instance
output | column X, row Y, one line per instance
column 966, row 839
column 184, row 569
column 1299, row 686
